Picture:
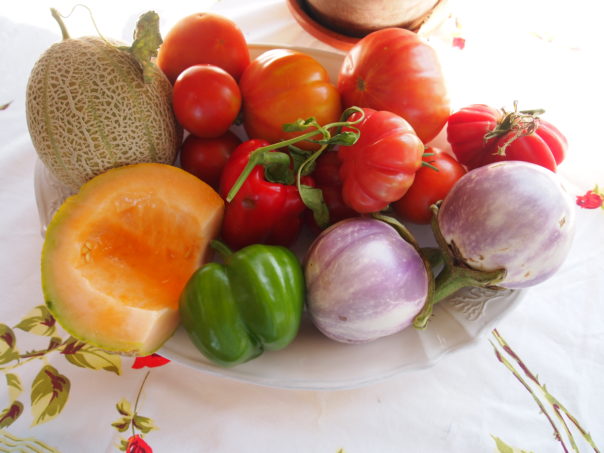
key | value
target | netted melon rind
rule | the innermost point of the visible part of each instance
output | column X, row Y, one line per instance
column 88, row 110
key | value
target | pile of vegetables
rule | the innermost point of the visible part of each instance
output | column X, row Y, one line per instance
column 350, row 161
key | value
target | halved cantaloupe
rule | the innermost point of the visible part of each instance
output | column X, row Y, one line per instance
column 118, row 253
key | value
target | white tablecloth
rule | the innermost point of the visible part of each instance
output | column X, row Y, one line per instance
column 543, row 53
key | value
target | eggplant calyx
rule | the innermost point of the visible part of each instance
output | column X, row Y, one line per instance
column 430, row 258
column 454, row 276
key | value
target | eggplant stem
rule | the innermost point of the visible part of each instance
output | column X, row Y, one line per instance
column 453, row 277
column 427, row 256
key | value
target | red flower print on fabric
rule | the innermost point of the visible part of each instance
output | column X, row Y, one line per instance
column 593, row 199
column 150, row 361
column 459, row 42
column 136, row 444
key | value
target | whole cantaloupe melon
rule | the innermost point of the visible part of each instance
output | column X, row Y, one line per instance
column 117, row 254
column 90, row 107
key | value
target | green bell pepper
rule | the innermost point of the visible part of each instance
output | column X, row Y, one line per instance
column 251, row 303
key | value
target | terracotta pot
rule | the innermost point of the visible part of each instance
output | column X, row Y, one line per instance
column 359, row 17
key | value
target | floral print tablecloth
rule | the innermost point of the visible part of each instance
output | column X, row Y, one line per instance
column 60, row 394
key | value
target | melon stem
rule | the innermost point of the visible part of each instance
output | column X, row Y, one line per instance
column 57, row 17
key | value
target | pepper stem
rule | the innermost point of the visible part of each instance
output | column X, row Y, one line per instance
column 261, row 156
column 221, row 248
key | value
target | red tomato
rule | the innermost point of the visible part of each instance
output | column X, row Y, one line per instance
column 546, row 147
column 282, row 86
column 466, row 130
column 327, row 178
column 429, row 186
column 203, row 38
column 513, row 136
column 393, row 69
column 380, row 167
column 205, row 157
column 206, row 100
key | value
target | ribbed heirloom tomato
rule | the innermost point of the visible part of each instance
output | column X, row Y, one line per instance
column 281, row 86
column 393, row 69
column 480, row 135
column 380, row 167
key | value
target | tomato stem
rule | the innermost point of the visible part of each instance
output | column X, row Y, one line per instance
column 262, row 156
column 521, row 123
column 429, row 165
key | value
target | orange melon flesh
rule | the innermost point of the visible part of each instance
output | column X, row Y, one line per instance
column 118, row 254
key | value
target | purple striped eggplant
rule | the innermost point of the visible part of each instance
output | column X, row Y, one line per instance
column 509, row 215
column 364, row 281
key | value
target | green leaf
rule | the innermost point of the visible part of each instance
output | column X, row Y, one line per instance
column 7, row 344
column 38, row 321
column 298, row 157
column 54, row 343
column 10, row 414
column 122, row 424
column 123, row 444
column 28, row 444
column 49, row 393
column 144, row 424
column 277, row 168
column 14, row 386
column 300, row 125
column 346, row 138
column 124, row 407
column 502, row 447
column 87, row 356
column 313, row 199
column 147, row 40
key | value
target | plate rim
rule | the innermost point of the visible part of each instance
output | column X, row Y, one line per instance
column 301, row 383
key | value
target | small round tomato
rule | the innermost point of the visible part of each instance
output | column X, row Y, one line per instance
column 281, row 86
column 205, row 157
column 203, row 38
column 429, row 186
column 206, row 100
column 393, row 69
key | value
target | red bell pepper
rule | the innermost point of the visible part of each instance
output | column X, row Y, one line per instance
column 261, row 211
